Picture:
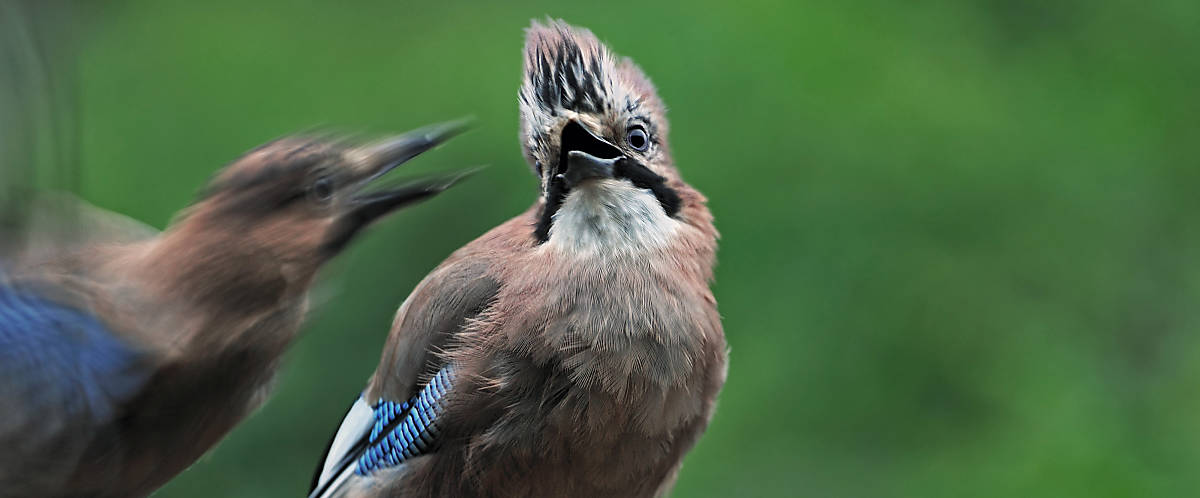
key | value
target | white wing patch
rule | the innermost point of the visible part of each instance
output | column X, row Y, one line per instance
column 358, row 422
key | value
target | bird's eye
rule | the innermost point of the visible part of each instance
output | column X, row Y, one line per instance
column 321, row 189
column 638, row 139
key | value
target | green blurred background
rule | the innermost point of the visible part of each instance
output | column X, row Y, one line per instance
column 959, row 253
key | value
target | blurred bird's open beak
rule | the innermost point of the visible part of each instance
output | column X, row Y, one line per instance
column 585, row 156
column 379, row 158
column 375, row 160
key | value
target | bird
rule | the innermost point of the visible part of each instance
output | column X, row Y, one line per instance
column 574, row 350
column 125, row 354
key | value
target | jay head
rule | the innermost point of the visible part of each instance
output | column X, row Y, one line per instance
column 269, row 221
column 289, row 206
column 595, row 132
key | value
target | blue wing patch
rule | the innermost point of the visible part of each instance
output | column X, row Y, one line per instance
column 405, row 430
column 63, row 360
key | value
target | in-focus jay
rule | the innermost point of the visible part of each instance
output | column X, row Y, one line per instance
column 574, row 350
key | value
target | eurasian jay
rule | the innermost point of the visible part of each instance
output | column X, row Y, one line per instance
column 125, row 355
column 575, row 350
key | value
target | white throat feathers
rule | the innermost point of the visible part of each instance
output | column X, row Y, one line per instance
column 611, row 216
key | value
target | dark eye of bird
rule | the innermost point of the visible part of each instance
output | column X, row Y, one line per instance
column 638, row 139
column 321, row 189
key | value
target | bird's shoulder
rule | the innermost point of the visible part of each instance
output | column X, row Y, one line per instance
column 64, row 226
column 458, row 291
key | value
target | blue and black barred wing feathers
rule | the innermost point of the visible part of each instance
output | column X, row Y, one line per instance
column 433, row 315
column 399, row 431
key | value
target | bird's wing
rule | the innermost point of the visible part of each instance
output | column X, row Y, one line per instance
column 359, row 420
column 385, row 436
column 395, row 418
column 59, row 226
column 443, row 303
column 63, row 375
column 62, row 223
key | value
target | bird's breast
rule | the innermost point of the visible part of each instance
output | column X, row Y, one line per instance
column 635, row 325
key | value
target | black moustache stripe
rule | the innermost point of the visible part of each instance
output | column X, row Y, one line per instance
column 642, row 177
column 555, row 194
column 639, row 174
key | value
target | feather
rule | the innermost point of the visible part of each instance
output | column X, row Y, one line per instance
column 386, row 436
column 355, row 426
column 65, row 370
column 444, row 302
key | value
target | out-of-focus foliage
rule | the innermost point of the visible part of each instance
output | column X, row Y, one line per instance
column 961, row 239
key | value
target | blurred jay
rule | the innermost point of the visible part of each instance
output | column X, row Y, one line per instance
column 125, row 355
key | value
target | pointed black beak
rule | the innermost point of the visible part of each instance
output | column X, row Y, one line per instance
column 584, row 156
column 370, row 206
column 377, row 159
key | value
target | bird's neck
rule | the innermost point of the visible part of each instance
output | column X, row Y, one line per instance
column 611, row 217
column 627, row 276
column 216, row 289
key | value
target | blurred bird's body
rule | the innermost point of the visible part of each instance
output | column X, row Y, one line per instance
column 125, row 355
column 574, row 350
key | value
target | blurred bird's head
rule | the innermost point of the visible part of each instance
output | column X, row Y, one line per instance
column 592, row 123
column 300, row 201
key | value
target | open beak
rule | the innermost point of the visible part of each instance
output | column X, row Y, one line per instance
column 585, row 156
column 379, row 158
column 376, row 160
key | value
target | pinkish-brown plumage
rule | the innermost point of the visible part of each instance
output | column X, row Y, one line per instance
column 588, row 361
column 172, row 339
